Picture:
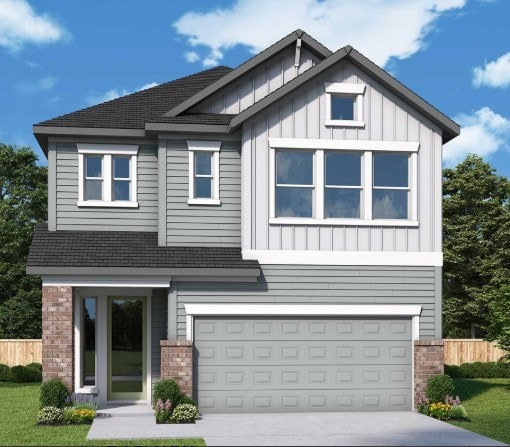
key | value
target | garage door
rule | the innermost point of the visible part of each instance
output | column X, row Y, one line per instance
column 301, row 364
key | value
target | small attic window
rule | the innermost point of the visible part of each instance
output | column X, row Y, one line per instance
column 344, row 104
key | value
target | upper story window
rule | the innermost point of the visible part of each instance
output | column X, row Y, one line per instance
column 344, row 182
column 204, row 172
column 107, row 175
column 344, row 104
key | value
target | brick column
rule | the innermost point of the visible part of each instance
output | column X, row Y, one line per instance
column 57, row 334
column 177, row 363
column 428, row 361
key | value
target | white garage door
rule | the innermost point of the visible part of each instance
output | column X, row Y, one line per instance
column 301, row 364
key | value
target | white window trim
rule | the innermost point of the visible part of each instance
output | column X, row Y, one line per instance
column 354, row 90
column 367, row 148
column 107, row 151
column 204, row 146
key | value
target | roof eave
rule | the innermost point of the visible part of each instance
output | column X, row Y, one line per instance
column 316, row 47
column 191, row 128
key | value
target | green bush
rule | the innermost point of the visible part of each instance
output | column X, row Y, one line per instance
column 50, row 415
column 73, row 415
column 166, row 389
column 53, row 394
column 35, row 365
column 184, row 413
column 458, row 412
column 479, row 370
column 5, row 373
column 24, row 374
column 438, row 387
column 186, row 400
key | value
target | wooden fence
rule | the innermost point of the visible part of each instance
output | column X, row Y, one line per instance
column 20, row 352
column 468, row 350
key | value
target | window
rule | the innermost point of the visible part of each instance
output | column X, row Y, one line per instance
column 107, row 175
column 344, row 104
column 88, row 376
column 343, row 182
column 294, row 184
column 204, row 172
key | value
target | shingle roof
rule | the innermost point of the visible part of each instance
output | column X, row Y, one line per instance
column 132, row 111
column 125, row 249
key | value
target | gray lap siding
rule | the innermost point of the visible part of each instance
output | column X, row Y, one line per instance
column 326, row 285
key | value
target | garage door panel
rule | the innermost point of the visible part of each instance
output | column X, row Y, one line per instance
column 284, row 352
column 303, row 364
column 304, row 400
column 246, row 377
column 299, row 329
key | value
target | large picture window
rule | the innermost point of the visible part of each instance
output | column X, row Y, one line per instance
column 343, row 182
column 107, row 175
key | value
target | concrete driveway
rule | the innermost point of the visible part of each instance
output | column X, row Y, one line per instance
column 320, row 429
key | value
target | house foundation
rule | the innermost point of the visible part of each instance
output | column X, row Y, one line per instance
column 57, row 334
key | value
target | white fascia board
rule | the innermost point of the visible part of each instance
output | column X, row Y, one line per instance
column 375, row 258
column 203, row 145
column 98, row 148
column 357, row 145
column 344, row 87
column 268, row 309
column 97, row 281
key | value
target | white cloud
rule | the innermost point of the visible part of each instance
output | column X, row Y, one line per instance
column 493, row 74
column 191, row 56
column 20, row 24
column 483, row 133
column 115, row 93
column 42, row 85
column 380, row 29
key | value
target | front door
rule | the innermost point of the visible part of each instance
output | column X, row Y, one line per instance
column 127, row 344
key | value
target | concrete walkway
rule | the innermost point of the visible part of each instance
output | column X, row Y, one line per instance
column 321, row 429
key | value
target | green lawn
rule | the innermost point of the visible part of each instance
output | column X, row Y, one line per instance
column 487, row 402
column 19, row 404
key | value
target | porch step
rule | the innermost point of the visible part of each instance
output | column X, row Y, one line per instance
column 125, row 410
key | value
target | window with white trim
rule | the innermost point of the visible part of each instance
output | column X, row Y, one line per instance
column 342, row 184
column 107, row 175
column 204, row 172
column 344, row 104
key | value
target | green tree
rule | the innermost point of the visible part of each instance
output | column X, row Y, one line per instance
column 476, row 244
column 499, row 318
column 23, row 204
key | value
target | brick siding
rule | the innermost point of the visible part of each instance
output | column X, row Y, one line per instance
column 428, row 361
column 57, row 334
column 177, row 363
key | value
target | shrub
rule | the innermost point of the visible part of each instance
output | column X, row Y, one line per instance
column 5, row 373
column 35, row 365
column 166, row 390
column 163, row 411
column 53, row 394
column 23, row 374
column 440, row 410
column 453, row 371
column 50, row 415
column 458, row 412
column 184, row 413
column 186, row 400
column 475, row 370
column 78, row 415
column 439, row 387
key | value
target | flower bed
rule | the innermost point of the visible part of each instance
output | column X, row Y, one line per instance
column 171, row 406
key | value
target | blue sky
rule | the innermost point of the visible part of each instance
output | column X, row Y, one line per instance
column 60, row 56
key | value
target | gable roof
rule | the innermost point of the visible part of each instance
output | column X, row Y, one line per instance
column 450, row 128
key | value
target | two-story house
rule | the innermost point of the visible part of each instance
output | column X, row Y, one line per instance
column 269, row 236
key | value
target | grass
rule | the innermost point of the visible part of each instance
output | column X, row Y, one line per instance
column 19, row 404
column 487, row 402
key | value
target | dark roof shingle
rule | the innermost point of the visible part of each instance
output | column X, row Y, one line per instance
column 125, row 249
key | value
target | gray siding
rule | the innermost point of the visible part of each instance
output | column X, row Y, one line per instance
column 70, row 217
column 302, row 115
column 158, row 329
column 324, row 285
column 258, row 83
column 201, row 225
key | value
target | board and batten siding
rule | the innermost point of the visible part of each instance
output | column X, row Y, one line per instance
column 158, row 329
column 299, row 284
column 71, row 217
column 302, row 115
column 258, row 83
column 203, row 225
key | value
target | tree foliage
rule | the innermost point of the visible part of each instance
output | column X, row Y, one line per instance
column 499, row 318
column 476, row 245
column 23, row 204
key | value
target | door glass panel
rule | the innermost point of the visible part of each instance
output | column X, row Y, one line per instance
column 89, row 342
column 127, row 346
